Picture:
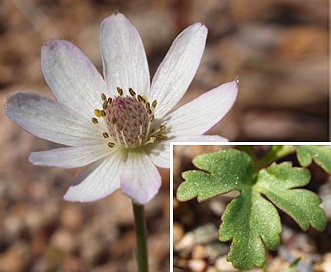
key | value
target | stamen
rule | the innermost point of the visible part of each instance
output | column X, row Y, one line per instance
column 148, row 106
column 105, row 104
column 102, row 113
column 105, row 135
column 120, row 91
column 110, row 144
column 117, row 135
column 141, row 99
column 162, row 136
column 132, row 92
column 140, row 139
column 163, row 128
column 94, row 120
column 148, row 128
column 154, row 103
column 124, row 139
column 97, row 113
column 103, row 97
column 110, row 100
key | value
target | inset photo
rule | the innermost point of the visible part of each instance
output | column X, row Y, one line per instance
column 245, row 207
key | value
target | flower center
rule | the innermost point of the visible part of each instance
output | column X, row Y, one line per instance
column 130, row 120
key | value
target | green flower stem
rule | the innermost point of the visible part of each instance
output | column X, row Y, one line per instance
column 276, row 152
column 141, row 236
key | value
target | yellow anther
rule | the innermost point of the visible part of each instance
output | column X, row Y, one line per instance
column 162, row 136
column 154, row 103
column 103, row 97
column 102, row 113
column 120, row 91
column 97, row 113
column 148, row 106
column 109, row 100
column 94, row 120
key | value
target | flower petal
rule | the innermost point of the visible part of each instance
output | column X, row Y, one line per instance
column 199, row 115
column 160, row 154
column 200, row 138
column 178, row 68
column 51, row 120
column 70, row 157
column 141, row 180
column 123, row 54
column 72, row 77
column 98, row 181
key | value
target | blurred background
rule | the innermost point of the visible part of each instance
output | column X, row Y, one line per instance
column 278, row 48
column 195, row 234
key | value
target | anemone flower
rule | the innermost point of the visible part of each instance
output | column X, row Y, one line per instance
column 121, row 125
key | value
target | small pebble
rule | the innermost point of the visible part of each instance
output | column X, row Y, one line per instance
column 197, row 265
column 223, row 265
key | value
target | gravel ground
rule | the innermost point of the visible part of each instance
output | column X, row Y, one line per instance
column 279, row 50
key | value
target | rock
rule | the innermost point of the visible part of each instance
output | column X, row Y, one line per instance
column 178, row 232
column 16, row 258
column 326, row 265
column 92, row 245
column 64, row 240
column 72, row 216
column 223, row 265
column 197, row 265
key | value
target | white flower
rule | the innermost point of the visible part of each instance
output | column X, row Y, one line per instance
column 120, row 124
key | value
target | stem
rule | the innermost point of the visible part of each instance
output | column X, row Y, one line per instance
column 276, row 152
column 141, row 236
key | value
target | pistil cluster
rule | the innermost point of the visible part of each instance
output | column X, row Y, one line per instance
column 130, row 120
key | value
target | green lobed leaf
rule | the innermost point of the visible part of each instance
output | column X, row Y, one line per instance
column 279, row 183
column 320, row 154
column 223, row 171
column 253, row 223
column 251, row 220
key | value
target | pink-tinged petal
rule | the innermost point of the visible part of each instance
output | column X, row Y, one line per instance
column 178, row 68
column 202, row 113
column 99, row 180
column 51, row 120
column 70, row 157
column 123, row 54
column 140, row 179
column 72, row 77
